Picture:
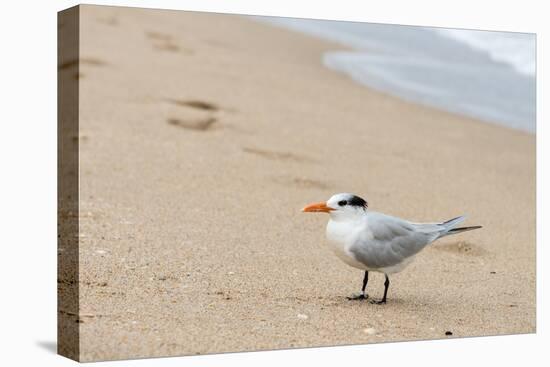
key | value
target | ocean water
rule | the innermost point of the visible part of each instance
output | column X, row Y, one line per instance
column 482, row 74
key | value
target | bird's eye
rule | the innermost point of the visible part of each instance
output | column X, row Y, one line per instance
column 342, row 203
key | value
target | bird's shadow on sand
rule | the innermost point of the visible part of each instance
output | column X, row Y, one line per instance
column 344, row 302
column 48, row 345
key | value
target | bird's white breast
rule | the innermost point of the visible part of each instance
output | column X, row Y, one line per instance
column 341, row 235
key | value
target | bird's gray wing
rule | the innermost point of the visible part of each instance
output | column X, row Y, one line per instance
column 387, row 241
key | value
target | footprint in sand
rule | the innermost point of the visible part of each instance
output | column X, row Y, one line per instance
column 158, row 36
column 196, row 124
column 201, row 105
column 195, row 115
column 278, row 156
column 82, row 62
column 91, row 61
column 110, row 21
column 462, row 248
column 302, row 183
column 165, row 42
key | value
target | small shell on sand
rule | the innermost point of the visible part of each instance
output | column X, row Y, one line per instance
column 302, row 316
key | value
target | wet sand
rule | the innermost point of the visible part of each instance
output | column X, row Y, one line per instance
column 201, row 138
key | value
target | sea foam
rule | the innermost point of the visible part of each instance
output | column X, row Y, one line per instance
column 482, row 74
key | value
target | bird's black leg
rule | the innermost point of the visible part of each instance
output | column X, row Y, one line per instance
column 365, row 281
column 362, row 295
column 386, row 286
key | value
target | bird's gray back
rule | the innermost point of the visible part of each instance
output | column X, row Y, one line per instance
column 387, row 241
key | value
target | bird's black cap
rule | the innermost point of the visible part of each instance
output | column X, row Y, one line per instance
column 355, row 200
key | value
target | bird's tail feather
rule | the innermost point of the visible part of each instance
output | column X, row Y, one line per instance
column 462, row 229
column 450, row 226
column 451, row 223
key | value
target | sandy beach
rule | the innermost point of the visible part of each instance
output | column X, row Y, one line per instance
column 201, row 138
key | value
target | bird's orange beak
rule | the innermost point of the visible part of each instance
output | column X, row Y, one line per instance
column 317, row 208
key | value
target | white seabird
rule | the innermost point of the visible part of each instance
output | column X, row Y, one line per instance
column 373, row 241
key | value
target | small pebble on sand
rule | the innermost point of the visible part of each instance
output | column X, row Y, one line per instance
column 448, row 333
column 101, row 252
column 369, row 331
column 303, row 316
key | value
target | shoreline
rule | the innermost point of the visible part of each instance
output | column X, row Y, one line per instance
column 378, row 52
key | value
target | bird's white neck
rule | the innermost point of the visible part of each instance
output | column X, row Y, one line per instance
column 358, row 215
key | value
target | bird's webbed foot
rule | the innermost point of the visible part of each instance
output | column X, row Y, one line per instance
column 380, row 302
column 358, row 297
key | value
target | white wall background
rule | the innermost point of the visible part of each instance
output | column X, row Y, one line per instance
column 28, row 181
